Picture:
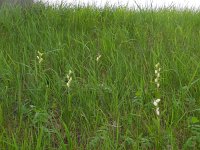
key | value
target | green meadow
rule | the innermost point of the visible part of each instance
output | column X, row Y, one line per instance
column 86, row 78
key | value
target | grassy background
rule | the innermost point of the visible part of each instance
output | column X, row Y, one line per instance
column 109, row 104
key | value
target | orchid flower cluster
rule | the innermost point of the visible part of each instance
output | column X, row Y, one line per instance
column 157, row 74
column 157, row 82
column 39, row 57
column 98, row 57
column 69, row 78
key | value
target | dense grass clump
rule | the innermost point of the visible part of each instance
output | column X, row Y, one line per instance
column 83, row 78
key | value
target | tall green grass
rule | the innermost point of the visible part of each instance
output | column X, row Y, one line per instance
column 109, row 102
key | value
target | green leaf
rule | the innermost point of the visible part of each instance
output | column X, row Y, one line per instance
column 138, row 93
column 194, row 120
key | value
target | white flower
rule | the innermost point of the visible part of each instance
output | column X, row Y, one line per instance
column 157, row 111
column 70, row 72
column 39, row 57
column 69, row 78
column 40, row 60
column 40, row 54
column 69, row 82
column 156, row 102
column 156, row 71
column 158, row 85
column 157, row 65
column 32, row 106
column 156, row 80
column 158, row 75
column 98, row 57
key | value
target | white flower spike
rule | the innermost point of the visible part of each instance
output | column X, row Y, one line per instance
column 157, row 79
column 69, row 78
column 39, row 57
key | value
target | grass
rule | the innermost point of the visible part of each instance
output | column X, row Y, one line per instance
column 108, row 103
